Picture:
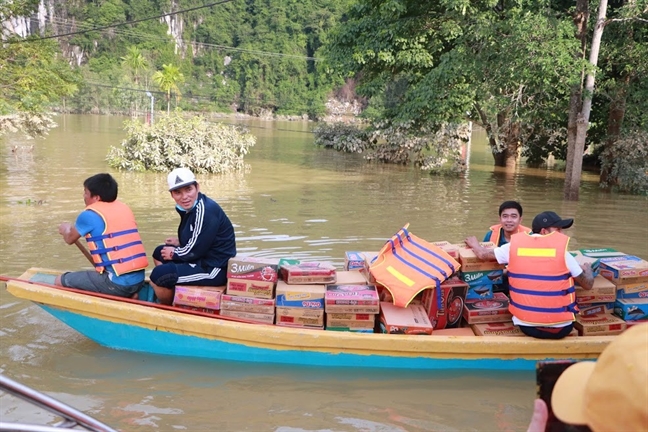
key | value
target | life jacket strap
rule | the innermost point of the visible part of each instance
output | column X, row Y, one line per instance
column 516, row 290
column 111, row 235
column 115, row 248
column 569, row 308
column 120, row 260
column 539, row 277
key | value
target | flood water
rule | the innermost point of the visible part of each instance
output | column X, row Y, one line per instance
column 293, row 199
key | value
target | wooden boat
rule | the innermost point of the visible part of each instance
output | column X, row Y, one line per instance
column 148, row 327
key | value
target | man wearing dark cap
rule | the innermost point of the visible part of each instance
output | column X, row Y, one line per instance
column 205, row 242
column 541, row 276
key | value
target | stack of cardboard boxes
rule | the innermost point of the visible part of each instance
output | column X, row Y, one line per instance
column 250, row 290
column 199, row 298
column 630, row 276
column 479, row 275
column 351, row 304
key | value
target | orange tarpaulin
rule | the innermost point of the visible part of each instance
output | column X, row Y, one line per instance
column 407, row 265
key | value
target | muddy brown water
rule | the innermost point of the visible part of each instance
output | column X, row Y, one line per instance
column 293, row 199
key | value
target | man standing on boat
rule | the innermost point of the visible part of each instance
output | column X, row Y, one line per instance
column 113, row 239
column 541, row 276
column 205, row 242
column 510, row 216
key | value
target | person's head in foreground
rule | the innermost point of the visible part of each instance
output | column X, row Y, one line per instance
column 610, row 394
column 548, row 222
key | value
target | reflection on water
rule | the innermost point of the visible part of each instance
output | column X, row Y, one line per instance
column 292, row 199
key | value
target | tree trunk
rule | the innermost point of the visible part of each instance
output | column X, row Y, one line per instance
column 615, row 119
column 572, row 187
column 581, row 17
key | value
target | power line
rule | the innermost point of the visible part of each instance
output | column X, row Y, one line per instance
column 119, row 24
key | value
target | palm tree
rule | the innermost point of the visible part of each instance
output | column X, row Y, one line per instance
column 168, row 79
column 135, row 61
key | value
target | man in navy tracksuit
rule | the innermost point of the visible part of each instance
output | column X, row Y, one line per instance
column 205, row 242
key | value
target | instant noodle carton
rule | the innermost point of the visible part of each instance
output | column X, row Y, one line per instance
column 198, row 296
column 353, row 277
column 497, row 329
column 483, row 277
column 250, row 288
column 351, row 299
column 631, row 309
column 460, row 331
column 199, row 309
column 410, row 320
column 370, row 257
column 453, row 296
column 353, row 260
column 599, row 324
column 351, row 324
column 250, row 317
column 627, row 269
column 303, row 296
column 253, row 268
column 595, row 308
column 602, row 291
column 449, row 248
column 633, row 291
column 309, row 273
column 305, row 317
column 483, row 311
column 601, row 253
column 480, row 292
column 466, row 254
column 247, row 304
column 592, row 262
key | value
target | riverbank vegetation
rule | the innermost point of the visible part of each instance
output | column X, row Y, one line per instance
column 516, row 68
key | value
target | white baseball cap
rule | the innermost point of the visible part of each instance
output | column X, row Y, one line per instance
column 180, row 177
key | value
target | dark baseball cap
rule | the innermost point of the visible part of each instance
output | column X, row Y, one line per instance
column 550, row 219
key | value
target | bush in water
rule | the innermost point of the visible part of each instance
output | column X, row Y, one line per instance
column 626, row 162
column 177, row 142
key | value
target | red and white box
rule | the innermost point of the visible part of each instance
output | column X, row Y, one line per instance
column 198, row 296
column 250, row 288
column 491, row 310
column 308, row 273
column 247, row 304
column 351, row 299
column 253, row 268
column 497, row 329
column 412, row 320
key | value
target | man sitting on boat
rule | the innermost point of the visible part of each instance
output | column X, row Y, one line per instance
column 113, row 239
column 510, row 216
column 541, row 276
column 205, row 242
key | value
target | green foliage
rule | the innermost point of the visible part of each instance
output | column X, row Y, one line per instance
column 345, row 137
column 168, row 80
column 627, row 163
column 174, row 141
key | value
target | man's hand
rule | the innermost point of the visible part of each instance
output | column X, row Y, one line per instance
column 540, row 416
column 167, row 253
column 471, row 242
column 585, row 279
column 69, row 233
column 64, row 228
column 481, row 252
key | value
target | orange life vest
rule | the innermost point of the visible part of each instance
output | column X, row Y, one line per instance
column 497, row 230
column 407, row 264
column 122, row 243
column 541, row 287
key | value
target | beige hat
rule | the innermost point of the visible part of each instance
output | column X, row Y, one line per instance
column 610, row 394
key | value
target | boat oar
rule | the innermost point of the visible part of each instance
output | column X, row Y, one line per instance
column 84, row 251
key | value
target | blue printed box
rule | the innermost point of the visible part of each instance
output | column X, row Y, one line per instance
column 354, row 261
column 480, row 292
column 301, row 296
column 631, row 309
column 481, row 278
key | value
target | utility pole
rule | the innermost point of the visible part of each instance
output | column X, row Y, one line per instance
column 148, row 93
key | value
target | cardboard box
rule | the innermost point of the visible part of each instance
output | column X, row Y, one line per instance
column 351, row 295
column 253, row 268
column 466, row 254
column 351, row 316
column 370, row 257
column 593, row 263
column 631, row 309
column 449, row 248
column 309, row 273
column 353, row 309
column 625, row 269
column 480, row 292
column 622, row 294
column 305, row 296
column 487, row 266
column 300, row 316
column 599, row 324
column 351, row 324
column 497, row 329
column 601, row 253
column 602, row 291
column 482, row 277
column 247, row 304
column 250, row 317
column 461, row 331
column 250, row 288
column 633, row 288
column 410, row 320
column 199, row 309
column 352, row 277
column 453, row 296
column 353, row 261
column 198, row 296
column 350, row 329
column 300, row 326
column 595, row 308
column 483, row 311
column 636, row 322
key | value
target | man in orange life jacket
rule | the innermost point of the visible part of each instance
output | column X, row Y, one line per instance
column 113, row 239
column 510, row 216
column 541, row 276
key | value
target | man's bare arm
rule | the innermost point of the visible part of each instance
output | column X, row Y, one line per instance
column 585, row 279
column 481, row 252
